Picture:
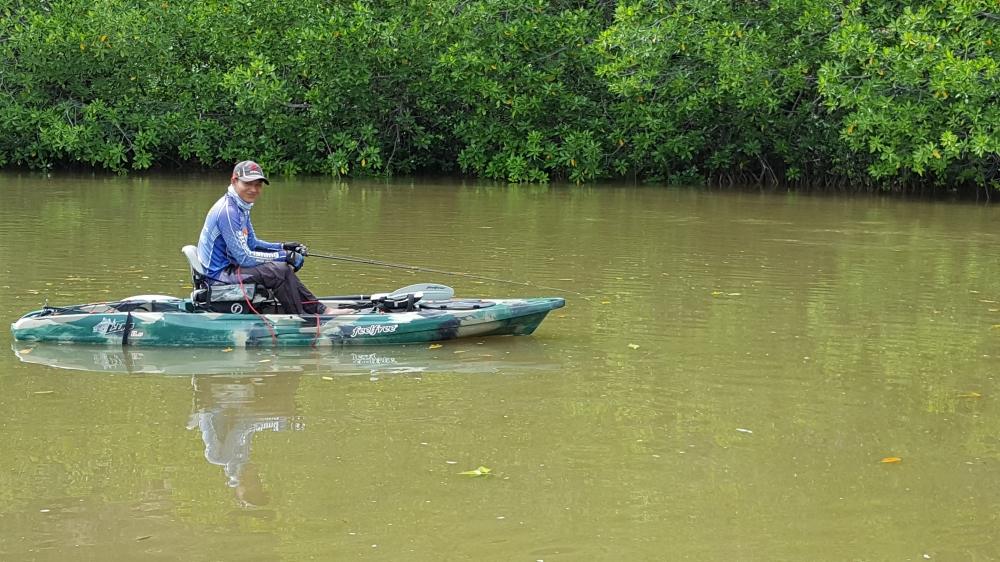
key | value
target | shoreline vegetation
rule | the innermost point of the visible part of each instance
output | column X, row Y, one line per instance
column 856, row 96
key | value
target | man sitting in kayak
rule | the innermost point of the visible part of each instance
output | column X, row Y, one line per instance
column 230, row 252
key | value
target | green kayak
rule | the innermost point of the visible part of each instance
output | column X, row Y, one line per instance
column 404, row 316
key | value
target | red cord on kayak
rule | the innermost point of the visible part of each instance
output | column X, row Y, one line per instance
column 239, row 276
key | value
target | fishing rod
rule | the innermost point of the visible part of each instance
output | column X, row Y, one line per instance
column 438, row 271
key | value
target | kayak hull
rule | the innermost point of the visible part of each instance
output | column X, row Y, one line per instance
column 175, row 325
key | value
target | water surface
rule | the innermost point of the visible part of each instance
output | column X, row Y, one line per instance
column 725, row 387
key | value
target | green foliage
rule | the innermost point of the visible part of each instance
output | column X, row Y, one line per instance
column 872, row 93
column 531, row 107
column 919, row 85
column 725, row 89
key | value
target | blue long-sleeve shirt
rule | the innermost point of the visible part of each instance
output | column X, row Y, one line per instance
column 228, row 238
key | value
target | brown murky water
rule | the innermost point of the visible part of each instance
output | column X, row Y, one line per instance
column 727, row 389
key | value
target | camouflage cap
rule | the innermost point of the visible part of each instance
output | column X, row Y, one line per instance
column 248, row 170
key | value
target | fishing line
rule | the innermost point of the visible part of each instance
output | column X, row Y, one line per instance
column 438, row 271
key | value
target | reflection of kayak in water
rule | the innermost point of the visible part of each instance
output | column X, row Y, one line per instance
column 506, row 355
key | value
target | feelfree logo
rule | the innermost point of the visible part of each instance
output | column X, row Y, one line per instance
column 373, row 330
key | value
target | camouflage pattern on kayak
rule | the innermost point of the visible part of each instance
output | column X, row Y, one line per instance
column 167, row 321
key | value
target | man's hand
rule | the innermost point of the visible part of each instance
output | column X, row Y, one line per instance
column 295, row 259
column 295, row 247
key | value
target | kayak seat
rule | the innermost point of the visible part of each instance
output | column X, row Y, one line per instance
column 225, row 298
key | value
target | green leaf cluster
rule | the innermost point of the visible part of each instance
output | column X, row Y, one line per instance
column 871, row 93
column 917, row 89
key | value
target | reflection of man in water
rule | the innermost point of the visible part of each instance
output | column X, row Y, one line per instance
column 229, row 410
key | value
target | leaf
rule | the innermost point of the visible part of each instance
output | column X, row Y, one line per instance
column 633, row 346
column 481, row 471
column 891, row 460
column 435, row 346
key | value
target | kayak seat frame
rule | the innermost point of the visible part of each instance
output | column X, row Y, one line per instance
column 232, row 298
